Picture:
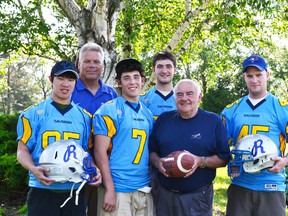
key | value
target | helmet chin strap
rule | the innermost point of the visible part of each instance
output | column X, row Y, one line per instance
column 87, row 176
column 70, row 197
column 71, row 194
column 78, row 191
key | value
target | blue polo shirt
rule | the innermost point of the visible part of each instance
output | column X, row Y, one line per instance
column 84, row 98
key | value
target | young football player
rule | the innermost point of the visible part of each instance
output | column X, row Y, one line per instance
column 56, row 118
column 122, row 128
column 259, row 112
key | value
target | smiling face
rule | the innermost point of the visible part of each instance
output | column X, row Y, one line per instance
column 256, row 82
column 62, row 87
column 90, row 66
column 164, row 71
column 131, row 84
column 188, row 96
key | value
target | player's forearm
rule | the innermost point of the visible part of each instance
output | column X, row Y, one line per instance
column 104, row 167
column 101, row 145
column 102, row 162
column 24, row 157
column 154, row 158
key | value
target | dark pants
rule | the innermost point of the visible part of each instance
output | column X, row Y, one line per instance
column 243, row 201
column 43, row 202
column 91, row 199
column 198, row 203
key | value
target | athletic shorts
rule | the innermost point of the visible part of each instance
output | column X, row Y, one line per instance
column 243, row 201
column 47, row 203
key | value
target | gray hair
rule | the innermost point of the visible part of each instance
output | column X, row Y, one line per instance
column 192, row 82
column 90, row 46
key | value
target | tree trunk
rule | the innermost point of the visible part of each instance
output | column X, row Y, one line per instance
column 96, row 23
column 8, row 103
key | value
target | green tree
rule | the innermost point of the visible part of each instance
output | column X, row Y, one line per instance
column 223, row 93
column 139, row 28
column 13, row 177
column 209, row 38
column 25, row 83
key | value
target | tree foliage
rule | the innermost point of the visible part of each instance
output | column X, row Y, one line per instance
column 13, row 177
column 25, row 83
column 209, row 38
column 25, row 27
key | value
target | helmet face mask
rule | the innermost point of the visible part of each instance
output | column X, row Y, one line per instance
column 252, row 154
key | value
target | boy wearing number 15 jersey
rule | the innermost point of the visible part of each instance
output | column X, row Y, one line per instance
column 268, row 117
column 259, row 112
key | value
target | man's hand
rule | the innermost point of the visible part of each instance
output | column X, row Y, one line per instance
column 97, row 180
column 280, row 164
column 39, row 173
column 109, row 202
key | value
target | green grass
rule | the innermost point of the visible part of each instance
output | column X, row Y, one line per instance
column 221, row 184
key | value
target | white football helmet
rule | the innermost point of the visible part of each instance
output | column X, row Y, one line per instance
column 67, row 161
column 252, row 154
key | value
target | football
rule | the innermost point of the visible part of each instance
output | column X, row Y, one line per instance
column 178, row 164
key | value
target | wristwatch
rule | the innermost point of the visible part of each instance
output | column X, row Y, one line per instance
column 204, row 162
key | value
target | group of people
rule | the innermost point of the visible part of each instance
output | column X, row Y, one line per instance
column 130, row 135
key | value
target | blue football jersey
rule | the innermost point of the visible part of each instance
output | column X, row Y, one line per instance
column 158, row 103
column 129, row 129
column 270, row 118
column 44, row 123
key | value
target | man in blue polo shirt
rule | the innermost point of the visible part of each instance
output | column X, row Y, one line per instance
column 90, row 93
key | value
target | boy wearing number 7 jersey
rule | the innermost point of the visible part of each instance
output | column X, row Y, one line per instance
column 121, row 129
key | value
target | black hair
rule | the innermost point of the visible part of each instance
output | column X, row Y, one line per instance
column 128, row 65
column 164, row 55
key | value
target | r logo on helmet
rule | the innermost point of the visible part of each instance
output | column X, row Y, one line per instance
column 252, row 154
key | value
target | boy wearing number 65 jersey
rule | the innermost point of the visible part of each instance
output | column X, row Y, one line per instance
column 54, row 119
column 122, row 128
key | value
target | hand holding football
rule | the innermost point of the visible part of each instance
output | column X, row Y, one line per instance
column 178, row 164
